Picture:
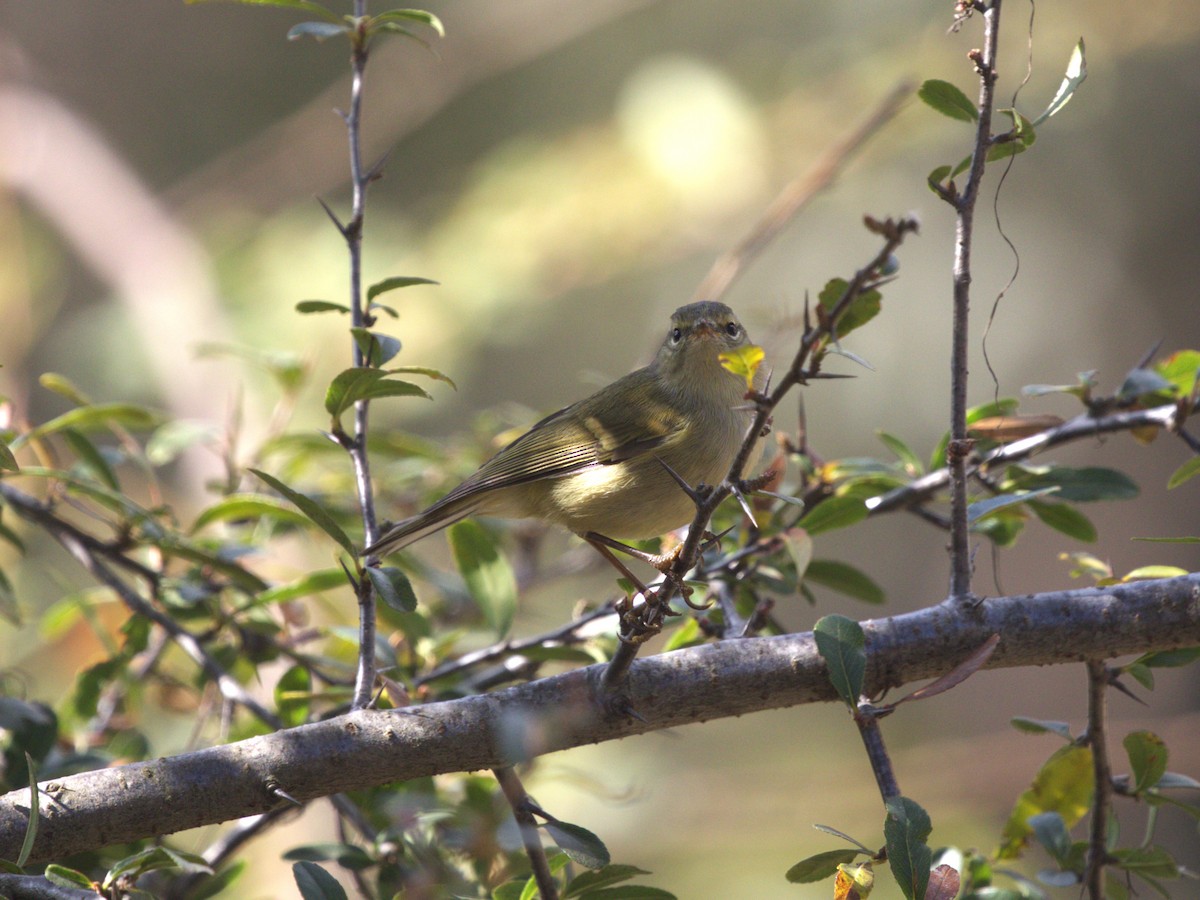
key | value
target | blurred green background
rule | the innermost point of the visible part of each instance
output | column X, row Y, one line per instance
column 568, row 171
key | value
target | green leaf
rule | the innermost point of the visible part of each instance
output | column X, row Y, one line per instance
column 596, row 879
column 835, row 512
column 905, row 832
column 64, row 877
column 844, row 578
column 1181, row 368
column 397, row 282
column 393, row 587
column 92, row 458
column 1063, row 785
column 1147, row 759
column 152, row 859
column 348, row 856
column 315, row 883
column 512, row 890
column 937, row 176
column 1065, row 518
column 1042, row 726
column 1186, row 472
column 912, row 463
column 426, row 371
column 7, row 460
column 315, row 512
column 413, row 15
column 819, row 866
column 1021, row 138
column 1074, row 77
column 311, row 583
column 840, row 642
column 1170, row 659
column 364, row 383
column 64, row 386
column 578, row 843
column 376, row 348
column 948, row 100
column 1147, row 862
column 1081, row 389
column 319, row 30
column 90, row 418
column 1082, row 485
column 293, row 696
column 799, row 546
column 981, row 508
column 487, row 573
column 688, row 634
column 1003, row 526
column 247, row 506
column 307, row 307
column 862, row 309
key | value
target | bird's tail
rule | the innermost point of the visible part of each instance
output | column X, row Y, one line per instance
column 421, row 525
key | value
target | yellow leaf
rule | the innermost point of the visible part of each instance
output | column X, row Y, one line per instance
column 1146, row 434
column 853, row 882
column 1063, row 785
column 743, row 361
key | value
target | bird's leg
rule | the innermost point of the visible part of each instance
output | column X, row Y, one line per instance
column 602, row 545
column 664, row 562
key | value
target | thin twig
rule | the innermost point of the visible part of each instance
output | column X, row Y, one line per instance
column 514, row 793
column 911, row 495
column 364, row 682
column 563, row 636
column 867, row 720
column 959, row 446
column 1102, row 778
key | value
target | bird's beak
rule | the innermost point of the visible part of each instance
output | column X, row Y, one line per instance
column 705, row 329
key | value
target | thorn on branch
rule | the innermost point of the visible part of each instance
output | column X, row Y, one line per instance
column 275, row 790
column 375, row 172
column 696, row 495
column 337, row 223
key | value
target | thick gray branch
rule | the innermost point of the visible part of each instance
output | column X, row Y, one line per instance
column 728, row 678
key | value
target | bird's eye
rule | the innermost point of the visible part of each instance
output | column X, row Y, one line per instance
column 733, row 329
column 676, row 335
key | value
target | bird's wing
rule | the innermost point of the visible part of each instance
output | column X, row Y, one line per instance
column 590, row 433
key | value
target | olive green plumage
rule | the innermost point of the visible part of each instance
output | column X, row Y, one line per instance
column 597, row 465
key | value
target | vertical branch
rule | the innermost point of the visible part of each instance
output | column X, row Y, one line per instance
column 959, row 447
column 364, row 682
column 514, row 793
column 867, row 720
column 1102, row 793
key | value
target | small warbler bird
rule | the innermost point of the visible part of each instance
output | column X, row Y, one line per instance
column 599, row 467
